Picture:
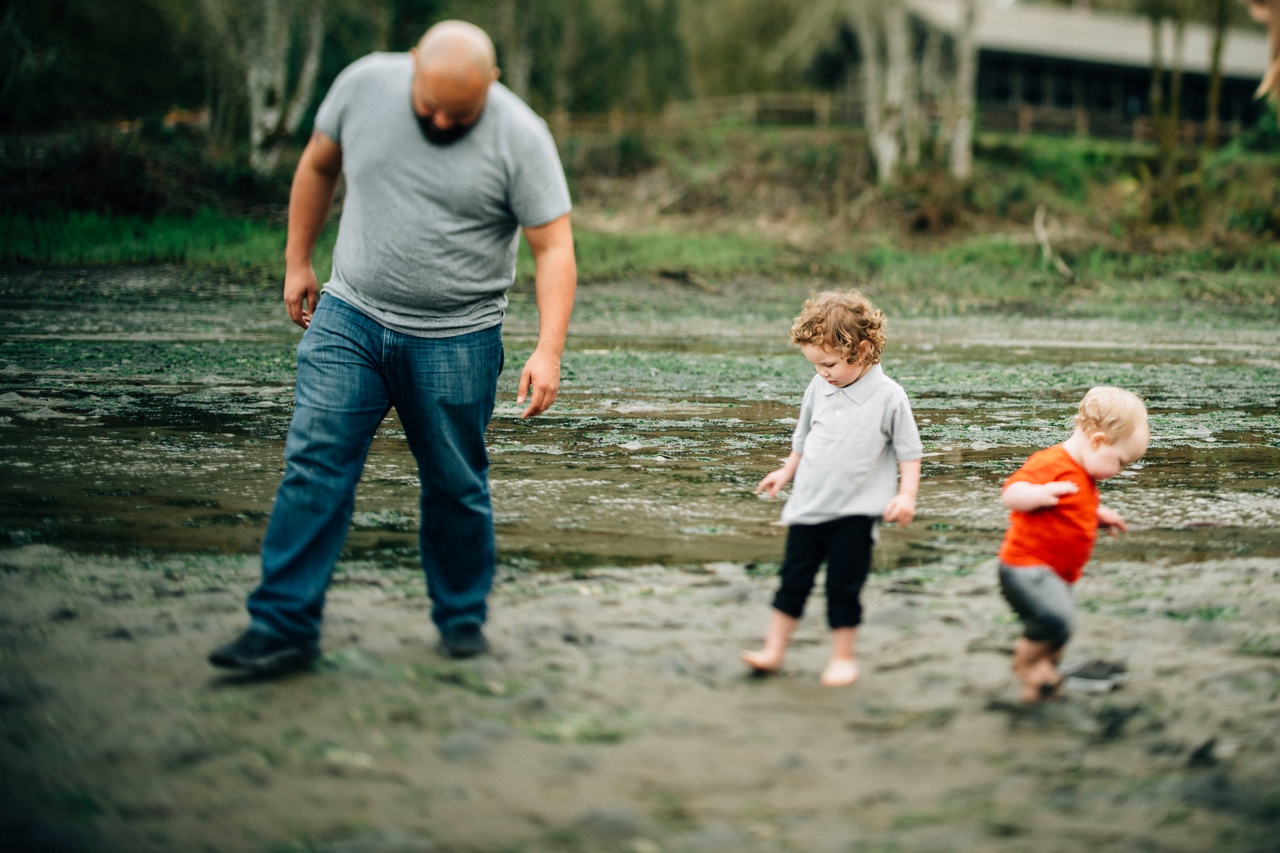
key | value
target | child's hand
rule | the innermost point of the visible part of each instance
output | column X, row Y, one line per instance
column 1029, row 497
column 1056, row 489
column 900, row 510
column 1110, row 519
column 774, row 481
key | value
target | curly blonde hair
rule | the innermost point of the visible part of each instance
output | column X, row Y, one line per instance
column 841, row 320
column 1112, row 411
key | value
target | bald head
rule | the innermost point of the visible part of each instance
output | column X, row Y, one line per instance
column 457, row 49
column 454, row 63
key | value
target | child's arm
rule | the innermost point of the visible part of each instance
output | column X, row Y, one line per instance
column 903, row 506
column 1028, row 497
column 775, row 480
column 1110, row 519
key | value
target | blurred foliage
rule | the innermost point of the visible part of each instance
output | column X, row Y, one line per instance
column 155, row 171
column 70, row 62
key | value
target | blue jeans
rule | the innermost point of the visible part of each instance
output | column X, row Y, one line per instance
column 351, row 371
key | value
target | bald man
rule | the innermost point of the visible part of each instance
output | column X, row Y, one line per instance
column 444, row 166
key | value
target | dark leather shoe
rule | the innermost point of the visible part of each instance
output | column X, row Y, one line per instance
column 264, row 655
column 463, row 640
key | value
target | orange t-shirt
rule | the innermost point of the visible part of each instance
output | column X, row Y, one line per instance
column 1060, row 537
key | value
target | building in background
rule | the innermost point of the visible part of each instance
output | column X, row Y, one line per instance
column 1054, row 68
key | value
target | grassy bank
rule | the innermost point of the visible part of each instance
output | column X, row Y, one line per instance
column 981, row 272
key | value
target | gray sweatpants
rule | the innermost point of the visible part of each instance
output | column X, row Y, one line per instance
column 1043, row 601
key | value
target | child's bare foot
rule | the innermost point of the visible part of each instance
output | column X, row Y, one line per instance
column 764, row 661
column 840, row 672
column 1041, row 682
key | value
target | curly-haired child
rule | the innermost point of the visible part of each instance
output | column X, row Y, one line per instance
column 1054, row 518
column 855, row 436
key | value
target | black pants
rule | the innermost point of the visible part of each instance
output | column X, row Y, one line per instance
column 845, row 544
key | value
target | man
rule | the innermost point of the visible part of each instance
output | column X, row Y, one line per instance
column 443, row 166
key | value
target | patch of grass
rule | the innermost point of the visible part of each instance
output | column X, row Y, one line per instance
column 207, row 239
column 1266, row 645
column 1206, row 613
column 458, row 676
column 586, row 727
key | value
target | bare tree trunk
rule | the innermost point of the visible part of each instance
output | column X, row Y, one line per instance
column 1219, row 12
column 901, row 96
column 517, row 55
column 805, row 34
column 1267, row 12
column 1156, row 96
column 257, row 36
column 1169, row 143
column 883, row 123
column 966, row 80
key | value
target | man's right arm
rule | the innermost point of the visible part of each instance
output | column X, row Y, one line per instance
column 314, row 184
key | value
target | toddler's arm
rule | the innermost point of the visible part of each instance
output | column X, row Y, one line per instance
column 1028, row 497
column 775, row 480
column 903, row 506
column 1110, row 519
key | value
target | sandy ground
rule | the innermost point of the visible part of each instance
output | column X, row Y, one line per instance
column 613, row 715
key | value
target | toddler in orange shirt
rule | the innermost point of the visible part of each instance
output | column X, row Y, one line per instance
column 1053, row 521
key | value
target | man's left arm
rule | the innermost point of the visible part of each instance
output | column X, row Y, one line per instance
column 556, row 281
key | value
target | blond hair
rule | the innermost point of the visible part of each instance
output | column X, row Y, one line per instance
column 840, row 320
column 1112, row 411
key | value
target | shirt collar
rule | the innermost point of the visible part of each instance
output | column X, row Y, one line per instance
column 861, row 390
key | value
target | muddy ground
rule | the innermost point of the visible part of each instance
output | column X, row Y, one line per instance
column 141, row 432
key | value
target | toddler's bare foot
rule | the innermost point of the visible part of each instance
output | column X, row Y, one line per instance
column 763, row 660
column 841, row 672
column 1041, row 682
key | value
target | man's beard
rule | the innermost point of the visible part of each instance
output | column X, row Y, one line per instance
column 442, row 136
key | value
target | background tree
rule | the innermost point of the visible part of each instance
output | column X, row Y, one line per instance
column 258, row 37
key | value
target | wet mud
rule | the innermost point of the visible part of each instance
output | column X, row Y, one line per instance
column 142, row 420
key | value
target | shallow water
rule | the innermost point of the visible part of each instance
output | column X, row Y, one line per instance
column 143, row 411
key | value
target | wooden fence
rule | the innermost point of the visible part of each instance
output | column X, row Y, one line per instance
column 823, row 109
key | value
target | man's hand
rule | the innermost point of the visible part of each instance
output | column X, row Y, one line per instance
column 555, row 281
column 900, row 510
column 540, row 379
column 1110, row 519
column 309, row 201
column 1028, row 497
column 301, row 292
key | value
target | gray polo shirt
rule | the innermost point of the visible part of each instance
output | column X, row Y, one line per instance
column 428, row 236
column 851, row 440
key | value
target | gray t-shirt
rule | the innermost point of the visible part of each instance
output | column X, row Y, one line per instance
column 850, row 441
column 428, row 236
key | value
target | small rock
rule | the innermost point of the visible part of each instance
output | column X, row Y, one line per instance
column 182, row 749
column 390, row 842
column 578, row 638
column 462, row 746
column 1202, row 755
column 734, row 593
column 163, row 589
column 614, row 822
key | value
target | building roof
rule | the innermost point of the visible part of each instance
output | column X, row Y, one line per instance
column 1085, row 35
